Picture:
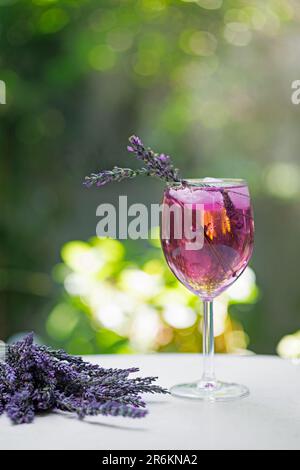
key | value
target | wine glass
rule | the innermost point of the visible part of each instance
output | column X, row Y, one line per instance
column 207, row 236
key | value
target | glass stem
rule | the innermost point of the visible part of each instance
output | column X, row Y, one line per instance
column 208, row 379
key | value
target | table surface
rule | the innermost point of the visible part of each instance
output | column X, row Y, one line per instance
column 269, row 419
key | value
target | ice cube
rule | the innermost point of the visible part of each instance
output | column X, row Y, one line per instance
column 212, row 180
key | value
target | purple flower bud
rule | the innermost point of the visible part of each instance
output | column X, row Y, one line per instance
column 164, row 158
column 134, row 140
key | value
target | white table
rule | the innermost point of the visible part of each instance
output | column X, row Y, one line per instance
column 268, row 419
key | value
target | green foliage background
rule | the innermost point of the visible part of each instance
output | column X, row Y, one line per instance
column 207, row 81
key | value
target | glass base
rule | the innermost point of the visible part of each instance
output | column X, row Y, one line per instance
column 210, row 391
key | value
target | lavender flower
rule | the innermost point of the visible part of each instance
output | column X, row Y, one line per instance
column 36, row 378
column 155, row 165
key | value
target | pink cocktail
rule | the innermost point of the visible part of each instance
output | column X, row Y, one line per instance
column 220, row 213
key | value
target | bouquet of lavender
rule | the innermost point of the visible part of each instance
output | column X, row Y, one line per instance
column 159, row 165
column 37, row 379
column 155, row 164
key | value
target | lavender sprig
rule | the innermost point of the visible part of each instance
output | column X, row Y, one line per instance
column 159, row 165
column 36, row 378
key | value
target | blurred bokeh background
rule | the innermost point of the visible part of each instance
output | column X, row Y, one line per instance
column 207, row 81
